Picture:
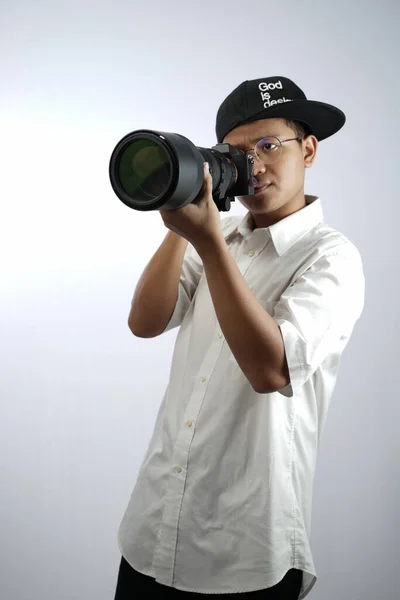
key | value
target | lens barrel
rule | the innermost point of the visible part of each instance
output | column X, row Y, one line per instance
column 153, row 170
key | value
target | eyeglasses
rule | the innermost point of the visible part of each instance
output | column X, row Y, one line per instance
column 269, row 149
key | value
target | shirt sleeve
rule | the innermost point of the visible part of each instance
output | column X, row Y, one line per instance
column 317, row 309
column 192, row 269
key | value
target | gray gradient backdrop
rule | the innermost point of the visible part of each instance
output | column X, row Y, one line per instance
column 79, row 393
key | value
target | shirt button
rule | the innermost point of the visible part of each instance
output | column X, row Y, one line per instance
column 219, row 335
column 179, row 469
column 252, row 253
column 204, row 379
column 190, row 423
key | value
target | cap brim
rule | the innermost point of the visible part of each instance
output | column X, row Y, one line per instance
column 324, row 119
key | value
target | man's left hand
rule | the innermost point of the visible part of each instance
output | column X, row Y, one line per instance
column 198, row 223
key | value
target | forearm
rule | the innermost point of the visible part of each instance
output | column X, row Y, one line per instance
column 251, row 333
column 157, row 290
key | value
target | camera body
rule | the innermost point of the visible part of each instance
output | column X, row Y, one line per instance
column 244, row 184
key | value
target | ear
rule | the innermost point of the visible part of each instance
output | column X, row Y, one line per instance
column 310, row 146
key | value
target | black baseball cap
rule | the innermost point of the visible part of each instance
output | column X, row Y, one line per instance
column 274, row 98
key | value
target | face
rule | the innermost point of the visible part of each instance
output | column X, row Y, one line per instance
column 285, row 193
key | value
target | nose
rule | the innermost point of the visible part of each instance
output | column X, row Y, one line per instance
column 258, row 166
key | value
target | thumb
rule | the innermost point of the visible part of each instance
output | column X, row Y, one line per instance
column 207, row 174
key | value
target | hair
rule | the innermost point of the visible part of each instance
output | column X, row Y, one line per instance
column 302, row 130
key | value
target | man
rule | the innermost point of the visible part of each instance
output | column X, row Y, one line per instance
column 266, row 305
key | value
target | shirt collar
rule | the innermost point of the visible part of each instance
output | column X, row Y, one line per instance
column 285, row 232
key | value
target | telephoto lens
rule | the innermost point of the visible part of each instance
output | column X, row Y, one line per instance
column 156, row 170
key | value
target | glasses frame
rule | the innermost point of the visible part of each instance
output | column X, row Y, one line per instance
column 280, row 147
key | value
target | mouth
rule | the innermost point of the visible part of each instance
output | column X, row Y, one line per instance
column 260, row 189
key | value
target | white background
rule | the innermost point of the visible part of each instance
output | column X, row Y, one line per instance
column 79, row 393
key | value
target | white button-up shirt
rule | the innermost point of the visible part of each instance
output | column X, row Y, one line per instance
column 222, row 501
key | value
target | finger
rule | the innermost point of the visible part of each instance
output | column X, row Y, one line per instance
column 206, row 168
column 207, row 175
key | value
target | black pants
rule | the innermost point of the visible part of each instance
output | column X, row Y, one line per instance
column 132, row 585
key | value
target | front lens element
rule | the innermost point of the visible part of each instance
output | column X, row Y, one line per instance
column 145, row 170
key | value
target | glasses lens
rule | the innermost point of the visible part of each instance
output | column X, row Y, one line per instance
column 269, row 149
